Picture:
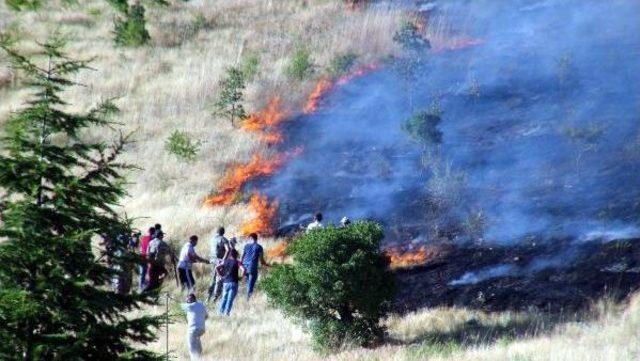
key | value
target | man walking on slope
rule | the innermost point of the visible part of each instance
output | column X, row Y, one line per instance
column 228, row 271
column 219, row 247
column 252, row 255
column 196, row 317
column 188, row 257
column 144, row 250
column 158, row 251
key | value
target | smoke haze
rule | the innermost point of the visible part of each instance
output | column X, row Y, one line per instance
column 540, row 122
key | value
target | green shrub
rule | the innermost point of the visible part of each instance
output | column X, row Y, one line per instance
column 410, row 38
column 342, row 64
column 250, row 66
column 130, row 30
column 423, row 127
column 300, row 65
column 339, row 282
column 182, row 146
column 18, row 5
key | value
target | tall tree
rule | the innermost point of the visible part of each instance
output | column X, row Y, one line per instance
column 60, row 194
column 229, row 103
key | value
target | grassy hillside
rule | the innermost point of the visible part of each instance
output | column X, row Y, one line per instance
column 172, row 84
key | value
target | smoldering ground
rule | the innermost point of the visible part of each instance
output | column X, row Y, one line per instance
column 539, row 119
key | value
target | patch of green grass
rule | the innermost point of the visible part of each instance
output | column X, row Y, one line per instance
column 300, row 65
column 250, row 66
column 437, row 348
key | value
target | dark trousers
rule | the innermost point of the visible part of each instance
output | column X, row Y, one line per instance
column 252, row 277
column 156, row 276
column 186, row 279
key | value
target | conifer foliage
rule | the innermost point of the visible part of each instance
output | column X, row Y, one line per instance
column 58, row 195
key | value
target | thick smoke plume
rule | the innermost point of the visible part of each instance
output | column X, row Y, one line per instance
column 540, row 111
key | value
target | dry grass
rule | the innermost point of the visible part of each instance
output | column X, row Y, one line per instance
column 172, row 84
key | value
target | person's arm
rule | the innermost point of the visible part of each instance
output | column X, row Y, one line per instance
column 262, row 261
column 219, row 270
column 194, row 257
column 242, row 269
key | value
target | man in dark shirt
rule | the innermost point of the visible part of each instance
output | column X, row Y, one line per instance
column 228, row 271
column 219, row 247
column 252, row 255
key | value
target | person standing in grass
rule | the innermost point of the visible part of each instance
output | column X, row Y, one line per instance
column 144, row 250
column 228, row 271
column 316, row 224
column 251, row 256
column 158, row 251
column 196, row 317
column 219, row 247
column 188, row 257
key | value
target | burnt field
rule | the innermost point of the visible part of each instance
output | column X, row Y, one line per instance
column 560, row 277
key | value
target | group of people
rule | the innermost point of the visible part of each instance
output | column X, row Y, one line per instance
column 229, row 267
column 228, row 270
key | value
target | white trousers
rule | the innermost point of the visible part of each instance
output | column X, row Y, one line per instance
column 193, row 340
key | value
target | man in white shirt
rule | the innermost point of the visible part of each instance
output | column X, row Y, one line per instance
column 316, row 224
column 188, row 257
column 196, row 316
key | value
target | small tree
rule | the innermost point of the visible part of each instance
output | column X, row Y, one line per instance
column 60, row 194
column 339, row 281
column 180, row 144
column 229, row 103
column 130, row 29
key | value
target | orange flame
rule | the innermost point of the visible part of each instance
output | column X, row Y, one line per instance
column 278, row 251
column 265, row 212
column 265, row 122
column 400, row 259
column 323, row 87
column 239, row 175
column 360, row 71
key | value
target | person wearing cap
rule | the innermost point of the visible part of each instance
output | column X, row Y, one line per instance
column 316, row 224
column 196, row 317
column 345, row 222
column 188, row 257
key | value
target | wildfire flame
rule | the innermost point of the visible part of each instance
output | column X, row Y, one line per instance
column 325, row 85
column 322, row 87
column 278, row 251
column 400, row 259
column 239, row 175
column 265, row 212
column 265, row 122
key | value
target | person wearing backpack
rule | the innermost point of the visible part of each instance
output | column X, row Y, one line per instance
column 220, row 248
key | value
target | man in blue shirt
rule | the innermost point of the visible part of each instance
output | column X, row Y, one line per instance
column 251, row 256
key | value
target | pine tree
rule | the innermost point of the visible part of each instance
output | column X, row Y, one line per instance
column 229, row 103
column 58, row 195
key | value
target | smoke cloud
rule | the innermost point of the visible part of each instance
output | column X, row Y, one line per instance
column 540, row 123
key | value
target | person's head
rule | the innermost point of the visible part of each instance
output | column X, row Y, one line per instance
column 159, row 235
column 220, row 231
column 233, row 241
column 152, row 231
column 193, row 240
column 191, row 298
column 318, row 217
column 233, row 254
column 253, row 237
column 158, row 227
